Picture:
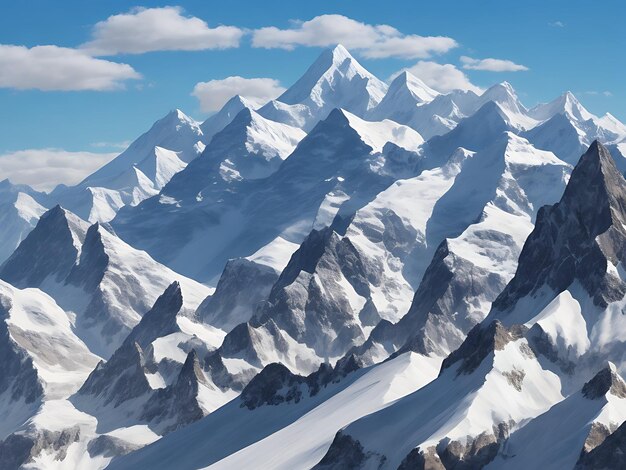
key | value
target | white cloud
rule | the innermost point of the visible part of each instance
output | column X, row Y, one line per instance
column 557, row 24
column 43, row 169
column 598, row 93
column 441, row 77
column 372, row 41
column 214, row 93
column 51, row 68
column 158, row 29
column 491, row 65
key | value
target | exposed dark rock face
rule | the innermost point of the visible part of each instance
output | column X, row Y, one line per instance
column 18, row 377
column 481, row 341
column 541, row 345
column 441, row 313
column 121, row 378
column 418, row 460
column 18, row 449
column 309, row 304
column 160, row 320
column 344, row 453
column 610, row 455
column 47, row 252
column 242, row 287
column 576, row 238
column 178, row 404
column 89, row 271
column 604, row 382
column 276, row 384
column 515, row 378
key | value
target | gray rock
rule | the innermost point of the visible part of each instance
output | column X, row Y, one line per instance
column 576, row 238
column 610, row 455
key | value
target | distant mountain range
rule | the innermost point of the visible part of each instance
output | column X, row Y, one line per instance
column 352, row 276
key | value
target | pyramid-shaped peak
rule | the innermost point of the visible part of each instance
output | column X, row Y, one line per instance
column 171, row 299
column 501, row 90
column 597, row 174
column 334, row 78
column 191, row 373
column 160, row 320
column 416, row 86
column 607, row 380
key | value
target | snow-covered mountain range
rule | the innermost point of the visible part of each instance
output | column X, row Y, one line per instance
column 353, row 275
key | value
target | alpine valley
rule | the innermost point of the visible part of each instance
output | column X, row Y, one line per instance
column 355, row 275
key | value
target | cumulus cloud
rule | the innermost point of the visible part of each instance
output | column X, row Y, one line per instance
column 43, row 169
column 51, row 68
column 214, row 93
column 441, row 77
column 158, row 29
column 492, row 65
column 372, row 41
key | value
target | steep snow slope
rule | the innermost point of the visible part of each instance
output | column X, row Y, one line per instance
column 569, row 430
column 334, row 80
column 155, row 377
column 567, row 128
column 20, row 208
column 137, row 173
column 302, row 429
column 338, row 167
column 218, row 121
column 567, row 291
column 570, row 267
column 42, row 358
column 460, row 417
column 458, row 248
column 103, row 281
column 405, row 93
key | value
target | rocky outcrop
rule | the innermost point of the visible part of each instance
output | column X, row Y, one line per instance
column 480, row 342
column 19, row 449
column 276, row 384
column 242, row 287
column 609, row 455
column 605, row 381
column 178, row 405
column 578, row 237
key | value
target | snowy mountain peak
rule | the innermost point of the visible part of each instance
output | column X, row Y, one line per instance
column 416, row 87
column 607, row 380
column 566, row 104
column 176, row 115
column 50, row 250
column 336, row 79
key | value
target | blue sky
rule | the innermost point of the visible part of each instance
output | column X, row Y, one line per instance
column 565, row 45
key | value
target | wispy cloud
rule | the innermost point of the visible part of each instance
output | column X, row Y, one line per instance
column 557, row 24
column 53, row 68
column 158, row 29
column 441, row 77
column 372, row 41
column 111, row 145
column 491, row 65
column 598, row 93
column 214, row 93
column 43, row 169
